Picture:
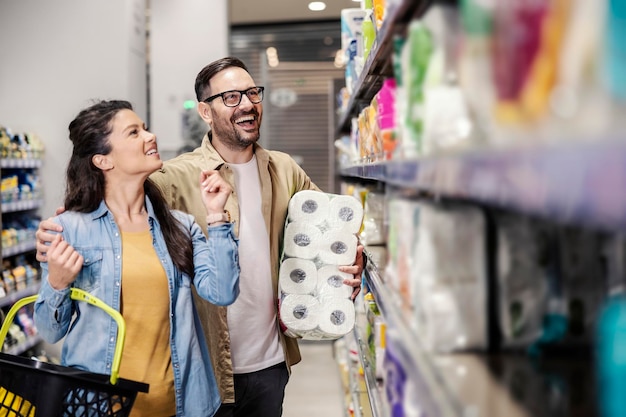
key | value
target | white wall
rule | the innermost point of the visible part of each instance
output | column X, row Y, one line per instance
column 182, row 41
column 59, row 55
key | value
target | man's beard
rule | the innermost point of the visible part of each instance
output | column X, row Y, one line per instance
column 231, row 137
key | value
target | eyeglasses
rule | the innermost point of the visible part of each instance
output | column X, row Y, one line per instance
column 232, row 98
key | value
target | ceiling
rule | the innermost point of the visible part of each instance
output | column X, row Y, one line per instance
column 248, row 12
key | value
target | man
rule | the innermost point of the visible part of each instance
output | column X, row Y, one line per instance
column 251, row 355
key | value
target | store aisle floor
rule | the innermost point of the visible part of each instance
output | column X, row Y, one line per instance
column 315, row 388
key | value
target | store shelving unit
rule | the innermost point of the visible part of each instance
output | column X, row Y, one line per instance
column 575, row 182
column 24, row 247
column 564, row 182
column 357, row 393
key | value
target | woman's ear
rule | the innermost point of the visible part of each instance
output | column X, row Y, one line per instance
column 102, row 162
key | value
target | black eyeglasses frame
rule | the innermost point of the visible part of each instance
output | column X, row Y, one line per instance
column 241, row 93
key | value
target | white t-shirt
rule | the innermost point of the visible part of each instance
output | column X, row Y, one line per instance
column 254, row 336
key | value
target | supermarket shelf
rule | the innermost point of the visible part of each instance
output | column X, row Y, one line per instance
column 356, row 392
column 19, row 248
column 30, row 342
column 17, row 295
column 438, row 401
column 20, row 163
column 582, row 183
column 21, row 205
column 378, row 65
column 376, row 402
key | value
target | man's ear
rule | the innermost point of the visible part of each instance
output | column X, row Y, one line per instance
column 204, row 110
column 102, row 162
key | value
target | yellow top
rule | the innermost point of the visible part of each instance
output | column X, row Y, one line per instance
column 145, row 307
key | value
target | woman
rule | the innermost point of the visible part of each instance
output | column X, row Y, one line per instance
column 121, row 243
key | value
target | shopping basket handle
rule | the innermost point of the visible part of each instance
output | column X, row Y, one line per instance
column 78, row 295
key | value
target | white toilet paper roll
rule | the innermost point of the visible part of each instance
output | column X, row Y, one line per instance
column 302, row 240
column 337, row 248
column 345, row 213
column 336, row 317
column 330, row 283
column 299, row 313
column 309, row 206
column 297, row 276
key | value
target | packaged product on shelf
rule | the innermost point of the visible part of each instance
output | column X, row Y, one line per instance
column 375, row 335
column 352, row 44
column 450, row 278
column 403, row 222
column 370, row 143
column 373, row 232
column 447, row 125
column 582, row 267
column 380, row 10
column 415, row 57
column 610, row 367
column 320, row 235
column 615, row 60
column 522, row 279
column 386, row 117
column 474, row 66
column 369, row 33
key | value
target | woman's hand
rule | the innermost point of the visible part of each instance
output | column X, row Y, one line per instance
column 64, row 263
column 215, row 191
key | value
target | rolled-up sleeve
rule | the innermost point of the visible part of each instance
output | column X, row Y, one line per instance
column 216, row 263
column 53, row 310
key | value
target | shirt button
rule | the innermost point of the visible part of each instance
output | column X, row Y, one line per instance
column 118, row 257
column 117, row 283
column 112, row 339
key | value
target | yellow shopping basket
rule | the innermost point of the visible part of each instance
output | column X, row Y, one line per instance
column 30, row 388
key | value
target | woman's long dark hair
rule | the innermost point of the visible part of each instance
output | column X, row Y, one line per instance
column 89, row 133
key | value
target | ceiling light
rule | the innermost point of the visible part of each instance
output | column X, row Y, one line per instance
column 317, row 6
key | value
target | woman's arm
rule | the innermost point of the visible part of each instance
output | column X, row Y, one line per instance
column 216, row 263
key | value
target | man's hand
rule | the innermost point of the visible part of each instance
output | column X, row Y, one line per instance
column 356, row 270
column 44, row 237
column 64, row 263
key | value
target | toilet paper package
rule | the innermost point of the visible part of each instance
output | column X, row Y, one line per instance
column 320, row 235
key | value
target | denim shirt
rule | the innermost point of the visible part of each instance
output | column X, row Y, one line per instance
column 90, row 333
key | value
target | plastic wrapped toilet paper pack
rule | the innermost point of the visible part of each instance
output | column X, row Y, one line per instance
column 320, row 235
